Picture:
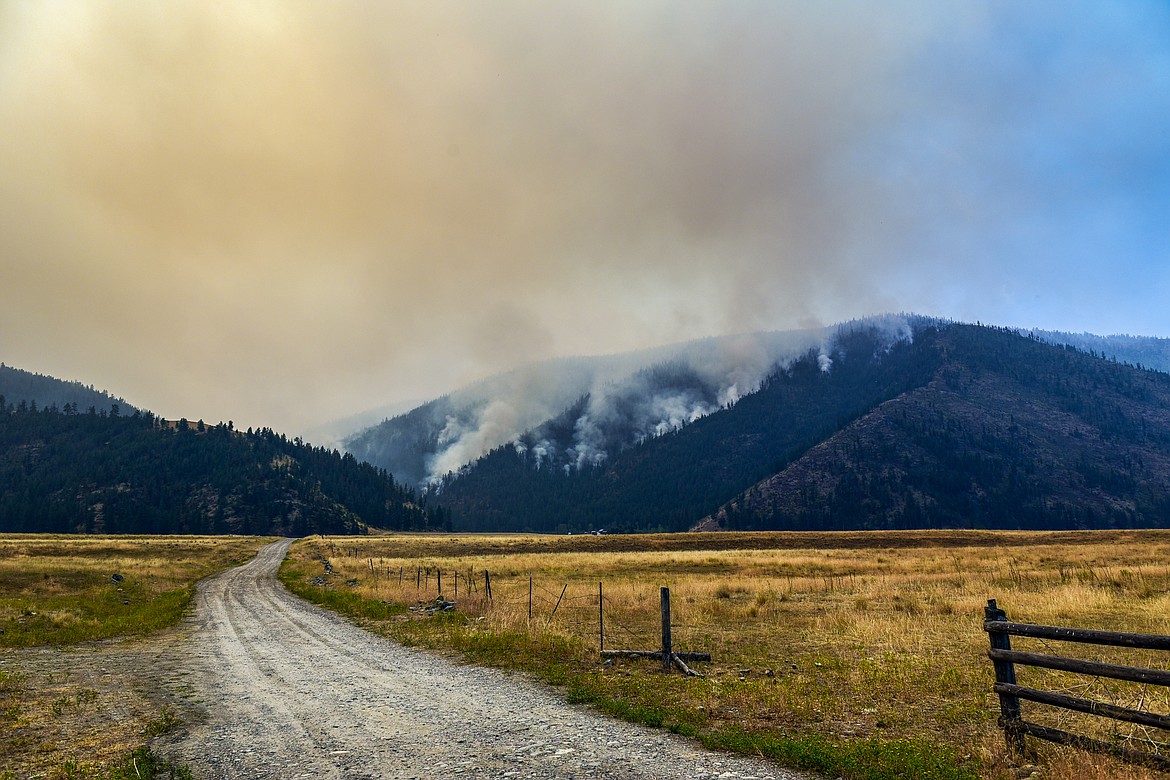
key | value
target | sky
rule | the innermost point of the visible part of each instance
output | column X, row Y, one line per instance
column 282, row 212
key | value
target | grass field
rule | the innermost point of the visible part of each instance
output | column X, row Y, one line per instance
column 70, row 708
column 59, row 590
column 859, row 655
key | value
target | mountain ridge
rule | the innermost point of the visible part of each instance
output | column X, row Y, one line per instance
column 825, row 392
column 1014, row 451
column 425, row 444
column 68, row 472
column 17, row 385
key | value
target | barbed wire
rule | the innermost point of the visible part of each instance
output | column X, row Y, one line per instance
column 549, row 604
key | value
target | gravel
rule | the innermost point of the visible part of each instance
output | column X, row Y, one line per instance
column 286, row 689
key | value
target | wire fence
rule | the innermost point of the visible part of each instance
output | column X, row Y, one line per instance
column 571, row 606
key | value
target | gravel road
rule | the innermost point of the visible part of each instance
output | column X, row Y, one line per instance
column 291, row 690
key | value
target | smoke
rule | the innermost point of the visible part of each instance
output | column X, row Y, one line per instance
column 627, row 399
column 612, row 402
column 350, row 203
column 459, row 445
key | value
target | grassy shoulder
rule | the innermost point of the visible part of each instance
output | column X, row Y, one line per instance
column 62, row 590
column 53, row 725
column 734, row 708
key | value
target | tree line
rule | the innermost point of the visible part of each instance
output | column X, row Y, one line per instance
column 65, row 470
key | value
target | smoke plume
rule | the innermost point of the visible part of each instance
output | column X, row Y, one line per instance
column 594, row 408
column 284, row 212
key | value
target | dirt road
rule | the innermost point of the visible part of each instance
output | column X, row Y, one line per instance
column 290, row 690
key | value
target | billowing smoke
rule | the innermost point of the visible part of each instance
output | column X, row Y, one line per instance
column 577, row 414
column 352, row 202
column 459, row 445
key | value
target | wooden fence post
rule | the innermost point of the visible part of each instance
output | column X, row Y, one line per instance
column 487, row 584
column 439, row 581
column 667, row 650
column 558, row 605
column 1005, row 672
column 529, row 598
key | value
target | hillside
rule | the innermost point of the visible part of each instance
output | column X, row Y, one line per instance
column 1009, row 433
column 17, row 385
column 630, row 396
column 61, row 471
column 668, row 481
column 956, row 426
column 445, row 434
column 1140, row 351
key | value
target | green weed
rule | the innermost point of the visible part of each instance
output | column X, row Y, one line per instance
column 142, row 764
column 165, row 723
column 862, row 759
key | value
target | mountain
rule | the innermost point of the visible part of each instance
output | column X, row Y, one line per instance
column 625, row 402
column 935, row 425
column 333, row 433
column 430, row 441
column 17, row 385
column 1141, row 351
column 1008, row 433
column 65, row 472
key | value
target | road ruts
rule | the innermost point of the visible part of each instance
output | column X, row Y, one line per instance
column 291, row 690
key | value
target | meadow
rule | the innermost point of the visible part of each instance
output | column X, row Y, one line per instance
column 860, row 655
column 60, row 590
column 72, row 706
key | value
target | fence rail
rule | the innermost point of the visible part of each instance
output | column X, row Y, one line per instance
column 1000, row 630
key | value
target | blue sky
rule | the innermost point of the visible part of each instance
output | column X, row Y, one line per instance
column 1043, row 141
column 286, row 212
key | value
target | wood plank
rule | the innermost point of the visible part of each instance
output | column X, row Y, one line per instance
column 688, row 671
column 1114, row 671
column 1087, row 635
column 1086, row 705
column 656, row 654
column 1092, row 745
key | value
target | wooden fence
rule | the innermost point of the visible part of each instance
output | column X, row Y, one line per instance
column 1000, row 631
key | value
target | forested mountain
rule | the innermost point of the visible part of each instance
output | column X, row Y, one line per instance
column 624, row 400
column 1008, row 433
column 622, row 394
column 65, row 471
column 39, row 390
column 1140, row 351
column 952, row 425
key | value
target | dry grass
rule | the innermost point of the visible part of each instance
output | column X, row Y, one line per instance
column 78, row 709
column 840, row 637
column 59, row 589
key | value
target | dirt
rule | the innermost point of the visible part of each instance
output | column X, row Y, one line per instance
column 410, row 545
column 269, row 686
column 82, row 706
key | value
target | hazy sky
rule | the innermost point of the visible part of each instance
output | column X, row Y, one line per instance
column 285, row 212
